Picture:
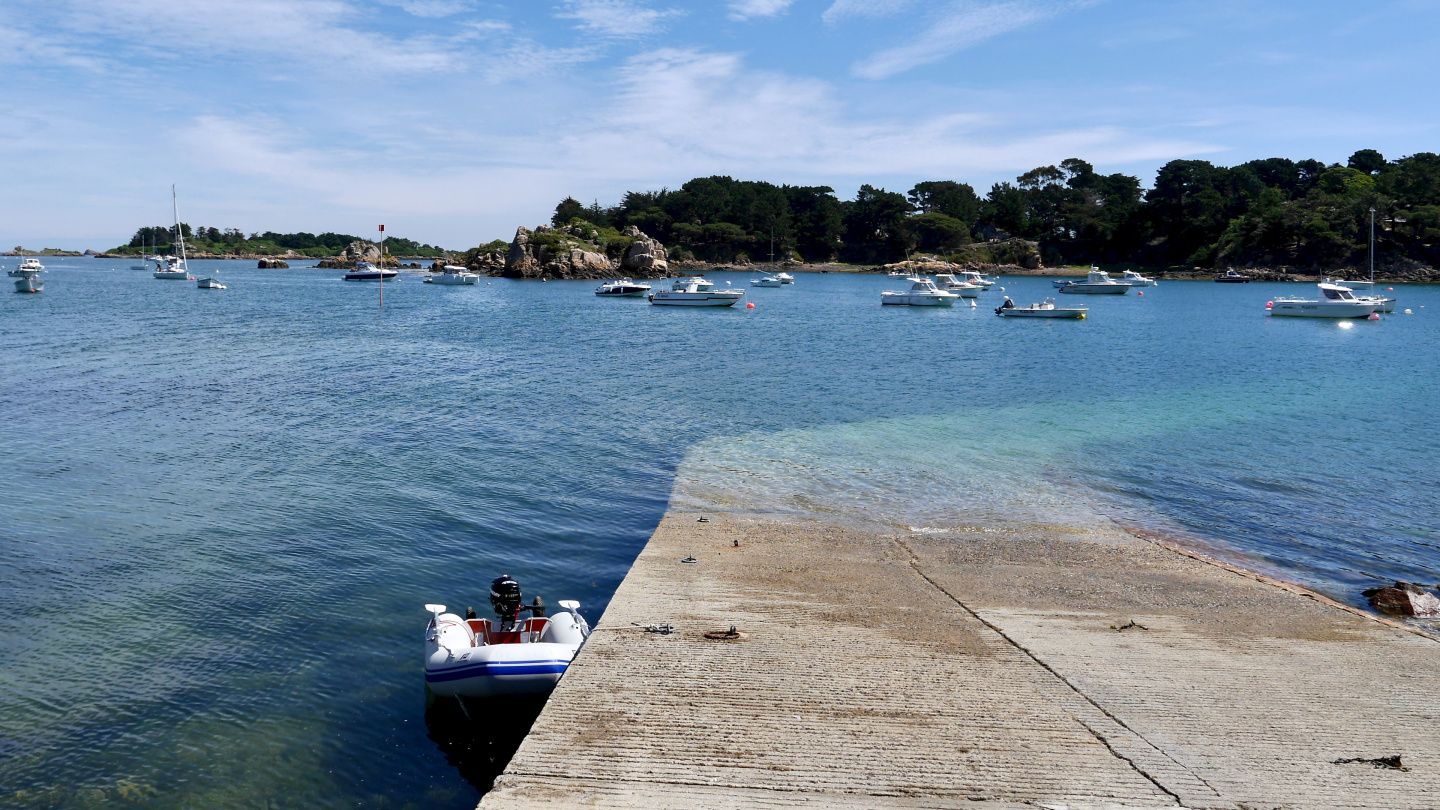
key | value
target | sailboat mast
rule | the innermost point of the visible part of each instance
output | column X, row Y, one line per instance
column 382, row 265
column 179, row 232
column 1372, row 250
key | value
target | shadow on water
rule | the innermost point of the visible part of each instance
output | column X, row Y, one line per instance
column 479, row 737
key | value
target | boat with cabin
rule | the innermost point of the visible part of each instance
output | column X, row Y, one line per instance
column 366, row 271
column 623, row 288
column 1097, row 282
column 27, row 278
column 785, row 278
column 1232, row 277
column 964, row 289
column 922, row 293
column 1335, row 302
column 1135, row 279
column 505, row 656
column 1365, row 291
column 766, row 281
column 1044, row 309
column 453, row 275
column 28, row 266
column 695, row 292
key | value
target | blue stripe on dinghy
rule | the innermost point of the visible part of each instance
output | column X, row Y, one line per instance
column 552, row 667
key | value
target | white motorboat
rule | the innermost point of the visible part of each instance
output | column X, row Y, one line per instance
column 1335, row 302
column 453, row 275
column 175, row 268
column 1061, row 282
column 1134, row 279
column 978, row 279
column 785, row 278
column 27, row 278
column 623, row 288
column 964, row 289
column 211, row 282
column 1365, row 291
column 506, row 656
column 922, row 293
column 766, row 281
column 1232, row 277
column 695, row 292
column 1098, row 282
column 898, row 274
column 1045, row 309
column 27, row 266
column 365, row 271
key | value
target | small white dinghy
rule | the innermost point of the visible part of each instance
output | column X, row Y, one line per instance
column 480, row 658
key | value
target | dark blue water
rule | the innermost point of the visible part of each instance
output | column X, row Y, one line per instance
column 224, row 510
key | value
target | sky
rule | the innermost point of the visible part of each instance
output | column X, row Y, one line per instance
column 454, row 121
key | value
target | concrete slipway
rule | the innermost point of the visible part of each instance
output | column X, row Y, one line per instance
column 986, row 670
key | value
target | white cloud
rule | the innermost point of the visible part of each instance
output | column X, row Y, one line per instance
column 751, row 9
column 619, row 19
column 842, row 10
column 433, row 9
column 960, row 25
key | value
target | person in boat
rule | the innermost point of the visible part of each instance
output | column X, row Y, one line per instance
column 1007, row 305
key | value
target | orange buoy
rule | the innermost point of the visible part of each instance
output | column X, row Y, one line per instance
column 750, row 305
column 1373, row 317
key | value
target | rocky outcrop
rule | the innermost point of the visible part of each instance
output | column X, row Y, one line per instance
column 646, row 256
column 356, row 252
column 1405, row 599
column 575, row 251
column 274, row 264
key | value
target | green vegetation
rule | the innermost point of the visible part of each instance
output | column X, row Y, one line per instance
column 1271, row 212
column 232, row 240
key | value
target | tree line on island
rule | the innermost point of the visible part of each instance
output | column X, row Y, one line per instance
column 1266, row 213
column 160, row 238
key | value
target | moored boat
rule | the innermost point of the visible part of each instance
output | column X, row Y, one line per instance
column 623, row 288
column 1045, row 309
column 766, row 281
column 1365, row 291
column 964, row 289
column 27, row 267
column 785, row 278
column 1134, row 279
column 922, row 293
column 509, row 655
column 1097, row 282
column 28, row 279
column 1335, row 302
column 1232, row 277
column 453, row 275
column 695, row 292
column 365, row 271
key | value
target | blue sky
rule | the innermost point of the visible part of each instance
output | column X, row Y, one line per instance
column 453, row 121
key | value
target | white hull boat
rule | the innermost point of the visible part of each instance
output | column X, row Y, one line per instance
column 1046, row 309
column 978, row 279
column 1098, row 282
column 964, row 289
column 1365, row 291
column 173, row 268
column 210, row 283
column 453, row 275
column 767, row 281
column 27, row 268
column 365, row 271
column 922, row 293
column 29, row 280
column 481, row 658
column 1335, row 302
column 1134, row 279
column 785, row 278
column 695, row 292
column 623, row 288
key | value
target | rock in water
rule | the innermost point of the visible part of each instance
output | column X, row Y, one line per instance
column 277, row 264
column 1405, row 599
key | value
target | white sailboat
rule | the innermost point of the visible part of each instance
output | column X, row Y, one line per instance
column 176, row 267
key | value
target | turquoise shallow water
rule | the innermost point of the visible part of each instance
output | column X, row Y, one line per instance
column 224, row 510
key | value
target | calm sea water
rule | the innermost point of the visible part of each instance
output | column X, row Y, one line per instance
column 223, row 511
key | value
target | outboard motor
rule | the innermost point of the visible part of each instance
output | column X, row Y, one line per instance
column 1007, row 305
column 505, row 598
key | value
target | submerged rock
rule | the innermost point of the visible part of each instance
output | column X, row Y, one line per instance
column 1405, row 599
